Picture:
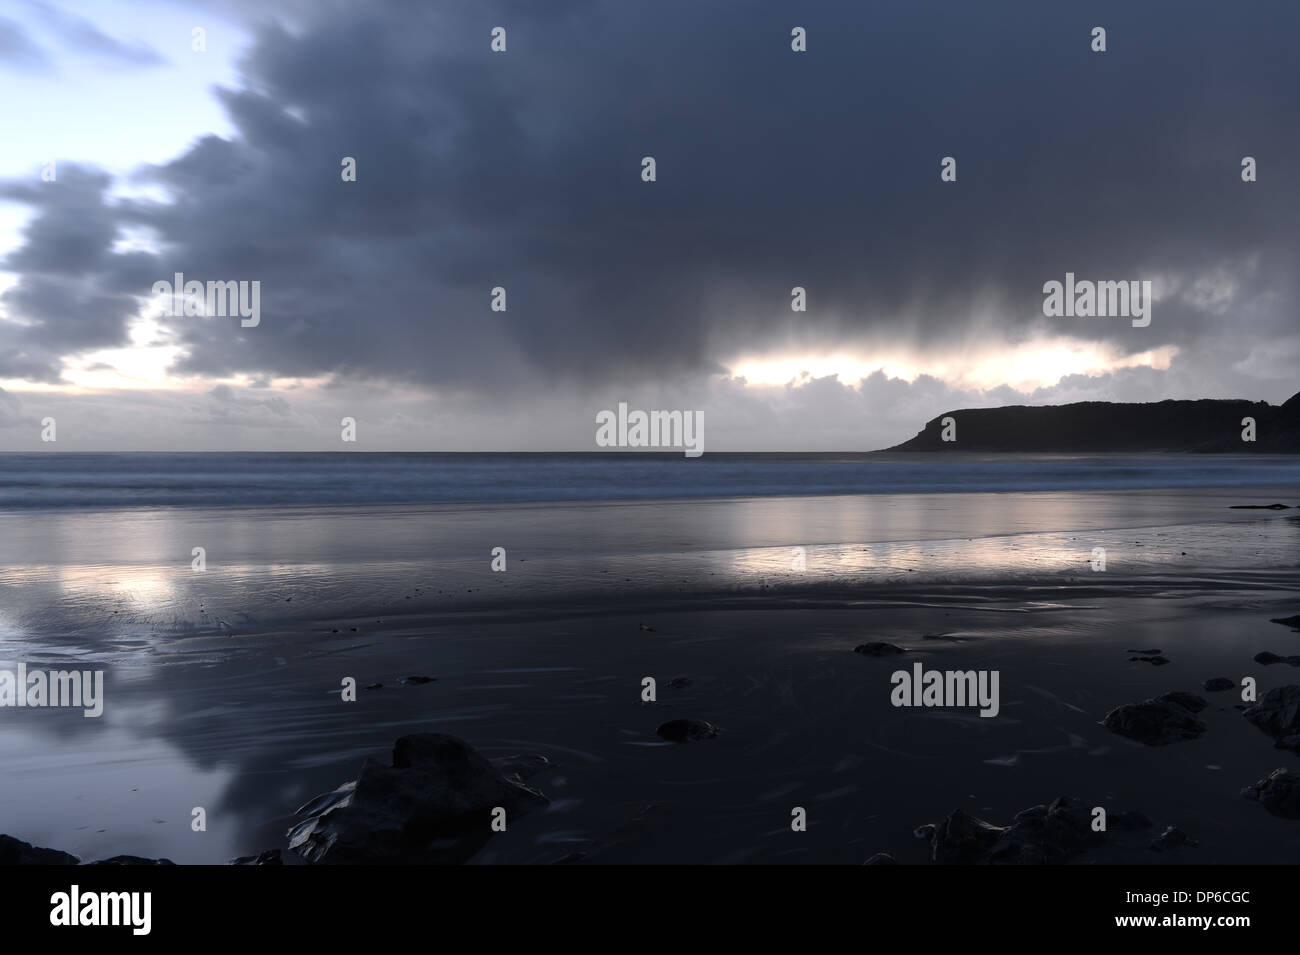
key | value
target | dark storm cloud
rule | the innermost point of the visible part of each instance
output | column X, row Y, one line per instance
column 71, row 292
column 775, row 169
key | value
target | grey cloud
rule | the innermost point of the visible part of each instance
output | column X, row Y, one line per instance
column 83, row 36
column 68, row 297
column 19, row 50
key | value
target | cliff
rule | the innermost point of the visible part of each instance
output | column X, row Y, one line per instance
column 1206, row 425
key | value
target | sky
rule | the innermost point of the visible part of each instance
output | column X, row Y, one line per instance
column 132, row 152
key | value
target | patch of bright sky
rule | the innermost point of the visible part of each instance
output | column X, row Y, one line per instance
column 1037, row 363
column 105, row 113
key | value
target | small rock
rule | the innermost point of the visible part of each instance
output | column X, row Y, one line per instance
column 1155, row 661
column 417, row 680
column 678, row 683
column 1171, row 838
column 1151, row 652
column 1292, row 622
column 686, row 731
column 878, row 649
column 1259, row 507
column 1279, row 793
column 1268, row 658
column 1218, row 683
column 269, row 857
column 646, row 627
column 374, row 686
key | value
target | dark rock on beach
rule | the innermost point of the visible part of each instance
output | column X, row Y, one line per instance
column 432, row 806
column 1267, row 658
column 1152, row 652
column 1259, row 507
column 269, row 857
column 1279, row 793
column 1218, row 684
column 1188, row 701
column 878, row 649
column 1292, row 622
column 417, row 680
column 1166, row 719
column 16, row 852
column 1278, row 712
column 1171, row 838
column 1155, row 661
column 686, row 731
column 131, row 860
column 1038, row 835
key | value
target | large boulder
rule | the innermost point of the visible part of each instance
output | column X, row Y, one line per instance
column 16, row 852
column 131, row 860
column 1166, row 719
column 1038, row 835
column 1278, row 712
column 432, row 806
column 1279, row 793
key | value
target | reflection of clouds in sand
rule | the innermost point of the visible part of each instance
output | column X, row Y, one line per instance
column 984, row 557
column 143, row 588
column 863, row 520
column 153, row 603
column 137, row 796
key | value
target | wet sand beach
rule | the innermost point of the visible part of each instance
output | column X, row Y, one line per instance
column 223, row 686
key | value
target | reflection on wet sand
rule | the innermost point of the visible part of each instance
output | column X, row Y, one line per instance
column 223, row 686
